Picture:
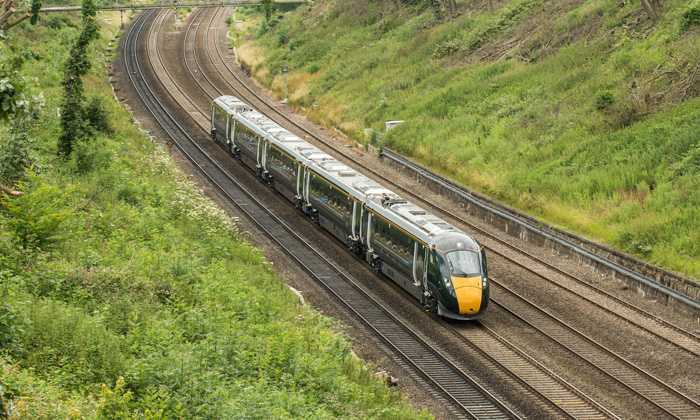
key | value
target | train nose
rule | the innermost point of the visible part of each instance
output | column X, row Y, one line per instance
column 468, row 292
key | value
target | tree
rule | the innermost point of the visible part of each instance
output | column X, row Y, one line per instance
column 652, row 8
column 451, row 7
column 268, row 5
column 8, row 9
column 73, row 119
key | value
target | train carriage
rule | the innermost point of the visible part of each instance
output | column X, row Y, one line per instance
column 436, row 262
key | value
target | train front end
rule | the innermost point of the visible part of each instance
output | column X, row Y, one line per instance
column 459, row 277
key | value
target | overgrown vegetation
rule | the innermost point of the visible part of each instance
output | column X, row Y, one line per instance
column 74, row 115
column 584, row 113
column 125, row 293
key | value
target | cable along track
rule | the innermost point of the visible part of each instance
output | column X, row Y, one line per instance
column 475, row 401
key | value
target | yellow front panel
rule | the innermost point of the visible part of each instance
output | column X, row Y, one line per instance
column 468, row 291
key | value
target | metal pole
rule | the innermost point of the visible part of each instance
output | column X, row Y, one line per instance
column 285, row 69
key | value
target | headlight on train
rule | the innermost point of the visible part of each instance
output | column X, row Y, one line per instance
column 484, row 282
column 447, row 281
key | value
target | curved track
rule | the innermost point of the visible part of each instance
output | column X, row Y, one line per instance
column 475, row 401
column 667, row 402
column 665, row 331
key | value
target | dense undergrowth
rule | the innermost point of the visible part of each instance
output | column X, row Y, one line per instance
column 585, row 113
column 125, row 293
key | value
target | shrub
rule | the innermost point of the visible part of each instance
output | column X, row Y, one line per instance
column 690, row 17
column 604, row 100
column 98, row 117
column 16, row 152
column 36, row 218
column 64, row 343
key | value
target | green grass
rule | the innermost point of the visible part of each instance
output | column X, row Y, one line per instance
column 126, row 293
column 582, row 113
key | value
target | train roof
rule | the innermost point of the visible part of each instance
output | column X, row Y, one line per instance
column 384, row 201
column 378, row 198
column 296, row 147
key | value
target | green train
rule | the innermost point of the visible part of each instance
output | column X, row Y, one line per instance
column 437, row 263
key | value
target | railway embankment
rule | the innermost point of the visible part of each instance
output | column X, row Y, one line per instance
column 582, row 113
column 670, row 289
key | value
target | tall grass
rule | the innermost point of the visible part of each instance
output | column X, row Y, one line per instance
column 577, row 114
column 134, row 296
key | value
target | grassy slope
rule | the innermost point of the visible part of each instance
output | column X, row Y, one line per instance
column 581, row 112
column 128, row 271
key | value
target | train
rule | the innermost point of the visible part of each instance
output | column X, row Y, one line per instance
column 443, row 267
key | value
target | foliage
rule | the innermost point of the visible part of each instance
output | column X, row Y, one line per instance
column 36, row 218
column 15, row 99
column 143, row 301
column 98, row 116
column 23, row 395
column 16, row 151
column 690, row 17
column 268, row 6
column 604, row 99
column 73, row 115
column 36, row 6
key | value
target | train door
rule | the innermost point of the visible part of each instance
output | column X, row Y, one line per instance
column 300, row 180
column 263, row 146
column 213, row 127
column 231, row 130
column 420, row 265
column 353, row 222
column 227, row 135
column 369, row 232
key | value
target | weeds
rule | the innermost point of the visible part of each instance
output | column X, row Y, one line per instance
column 126, row 293
column 501, row 100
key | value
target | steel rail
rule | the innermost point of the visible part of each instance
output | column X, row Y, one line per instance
column 659, row 394
column 656, row 320
column 591, row 409
column 457, row 385
column 213, row 85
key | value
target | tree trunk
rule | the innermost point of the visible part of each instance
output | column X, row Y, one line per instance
column 10, row 192
column 453, row 7
column 650, row 9
column 448, row 7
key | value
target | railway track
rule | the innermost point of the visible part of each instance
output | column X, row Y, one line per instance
column 206, row 85
column 549, row 388
column 665, row 331
column 474, row 401
column 663, row 400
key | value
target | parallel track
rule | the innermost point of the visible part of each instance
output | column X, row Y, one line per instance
column 685, row 340
column 475, row 401
column 665, row 402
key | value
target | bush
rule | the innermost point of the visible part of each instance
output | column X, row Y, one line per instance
column 36, row 218
column 16, row 152
column 70, row 346
column 604, row 100
column 98, row 117
column 690, row 17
